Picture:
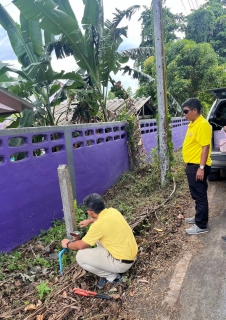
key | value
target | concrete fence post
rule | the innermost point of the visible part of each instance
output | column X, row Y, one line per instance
column 67, row 199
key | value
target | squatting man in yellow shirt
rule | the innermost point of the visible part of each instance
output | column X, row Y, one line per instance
column 116, row 247
column 196, row 154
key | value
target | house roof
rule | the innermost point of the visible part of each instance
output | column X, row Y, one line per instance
column 114, row 107
column 10, row 103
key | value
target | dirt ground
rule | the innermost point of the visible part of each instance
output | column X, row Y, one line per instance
column 161, row 240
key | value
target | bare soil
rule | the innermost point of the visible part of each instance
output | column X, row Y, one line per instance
column 161, row 240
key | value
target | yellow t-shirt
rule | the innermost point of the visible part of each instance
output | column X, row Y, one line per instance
column 198, row 135
column 114, row 234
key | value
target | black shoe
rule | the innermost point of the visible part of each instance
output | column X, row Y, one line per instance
column 223, row 238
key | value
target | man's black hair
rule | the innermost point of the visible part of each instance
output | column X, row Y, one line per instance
column 94, row 202
column 192, row 103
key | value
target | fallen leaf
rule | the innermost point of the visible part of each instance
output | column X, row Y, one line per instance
column 159, row 230
column 180, row 216
column 115, row 296
column 83, row 285
column 143, row 281
column 64, row 295
column 17, row 283
column 113, row 290
column 178, row 207
column 132, row 293
column 55, row 280
column 40, row 317
column 40, row 247
column 79, row 274
column 30, row 307
column 39, row 303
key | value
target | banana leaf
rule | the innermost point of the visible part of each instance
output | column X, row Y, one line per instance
column 27, row 118
column 56, row 22
column 5, row 67
column 22, row 49
column 31, row 33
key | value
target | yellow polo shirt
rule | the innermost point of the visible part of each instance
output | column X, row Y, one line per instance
column 114, row 234
column 198, row 135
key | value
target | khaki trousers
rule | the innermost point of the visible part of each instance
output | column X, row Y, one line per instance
column 100, row 262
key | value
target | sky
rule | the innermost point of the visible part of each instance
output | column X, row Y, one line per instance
column 134, row 30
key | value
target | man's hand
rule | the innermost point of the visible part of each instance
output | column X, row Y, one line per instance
column 64, row 243
column 200, row 174
column 85, row 223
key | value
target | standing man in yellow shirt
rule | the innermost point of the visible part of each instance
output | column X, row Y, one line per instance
column 116, row 245
column 196, row 154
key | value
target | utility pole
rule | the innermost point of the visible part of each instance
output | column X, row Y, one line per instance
column 163, row 147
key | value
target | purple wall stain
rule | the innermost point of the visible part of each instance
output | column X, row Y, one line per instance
column 29, row 189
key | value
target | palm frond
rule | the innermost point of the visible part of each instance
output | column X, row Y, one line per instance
column 119, row 15
column 136, row 74
column 142, row 52
column 174, row 106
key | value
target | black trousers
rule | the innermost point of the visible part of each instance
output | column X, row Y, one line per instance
column 198, row 191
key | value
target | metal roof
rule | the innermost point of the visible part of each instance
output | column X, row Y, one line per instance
column 11, row 103
column 114, row 107
column 133, row 106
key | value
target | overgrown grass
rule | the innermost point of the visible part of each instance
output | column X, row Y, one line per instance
column 141, row 187
column 134, row 191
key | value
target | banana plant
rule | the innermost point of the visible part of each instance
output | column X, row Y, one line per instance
column 94, row 45
column 36, row 81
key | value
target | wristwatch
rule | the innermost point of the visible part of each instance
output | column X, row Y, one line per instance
column 69, row 243
column 201, row 167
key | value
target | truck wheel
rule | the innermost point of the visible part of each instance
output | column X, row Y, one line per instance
column 214, row 176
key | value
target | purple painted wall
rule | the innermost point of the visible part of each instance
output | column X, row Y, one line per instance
column 149, row 133
column 96, row 154
column 29, row 190
column 101, row 158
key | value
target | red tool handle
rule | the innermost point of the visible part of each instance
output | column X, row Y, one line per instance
column 78, row 291
column 86, row 293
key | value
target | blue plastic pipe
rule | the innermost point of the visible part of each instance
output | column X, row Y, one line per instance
column 60, row 260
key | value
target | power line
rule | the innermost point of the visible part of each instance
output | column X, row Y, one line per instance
column 189, row 4
column 197, row 3
column 192, row 4
column 184, row 6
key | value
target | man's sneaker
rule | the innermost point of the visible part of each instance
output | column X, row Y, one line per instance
column 196, row 230
column 190, row 220
column 104, row 281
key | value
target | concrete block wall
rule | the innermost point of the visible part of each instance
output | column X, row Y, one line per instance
column 96, row 154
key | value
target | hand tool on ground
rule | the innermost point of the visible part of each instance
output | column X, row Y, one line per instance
column 86, row 293
column 60, row 260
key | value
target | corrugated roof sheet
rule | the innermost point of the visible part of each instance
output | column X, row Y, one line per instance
column 114, row 107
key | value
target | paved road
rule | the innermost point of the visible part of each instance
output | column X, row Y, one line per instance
column 203, row 292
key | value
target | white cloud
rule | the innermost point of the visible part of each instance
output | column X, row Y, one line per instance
column 3, row 40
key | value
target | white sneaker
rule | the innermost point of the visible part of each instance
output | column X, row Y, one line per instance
column 196, row 230
column 190, row 220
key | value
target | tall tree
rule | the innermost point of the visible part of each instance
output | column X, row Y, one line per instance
column 200, row 25
column 191, row 69
column 207, row 24
column 173, row 23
